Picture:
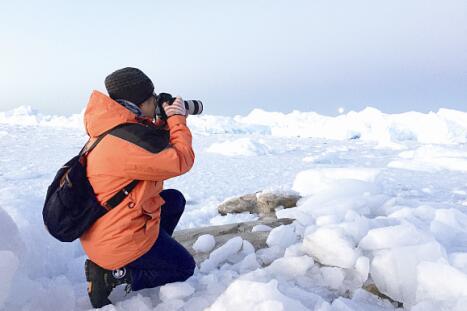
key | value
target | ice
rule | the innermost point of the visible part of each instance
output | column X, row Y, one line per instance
column 170, row 305
column 282, row 236
column 27, row 115
column 261, row 228
column 290, row 267
column 137, row 302
column 176, row 290
column 269, row 254
column 204, row 243
column 393, row 236
column 52, row 294
column 440, row 281
column 394, row 271
column 9, row 234
column 362, row 301
column 445, row 126
column 221, row 254
column 258, row 296
column 343, row 196
column 384, row 201
column 331, row 246
column 8, row 266
column 240, row 147
column 219, row 220
column 362, row 266
column 333, row 277
column 429, row 158
column 459, row 261
column 248, row 263
column 247, row 248
column 317, row 180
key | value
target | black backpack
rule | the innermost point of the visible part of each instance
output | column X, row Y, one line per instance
column 71, row 206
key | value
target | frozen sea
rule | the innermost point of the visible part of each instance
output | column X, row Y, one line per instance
column 384, row 202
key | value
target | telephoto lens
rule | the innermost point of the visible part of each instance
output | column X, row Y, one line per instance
column 192, row 106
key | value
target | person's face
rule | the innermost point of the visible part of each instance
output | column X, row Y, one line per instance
column 148, row 107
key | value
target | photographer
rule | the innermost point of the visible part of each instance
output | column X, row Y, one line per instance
column 132, row 244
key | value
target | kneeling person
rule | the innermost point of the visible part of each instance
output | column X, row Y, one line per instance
column 132, row 244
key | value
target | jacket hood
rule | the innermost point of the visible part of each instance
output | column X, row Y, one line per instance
column 103, row 113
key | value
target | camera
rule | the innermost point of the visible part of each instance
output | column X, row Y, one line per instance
column 193, row 107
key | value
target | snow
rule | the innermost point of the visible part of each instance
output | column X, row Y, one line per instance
column 317, row 180
column 176, row 290
column 8, row 267
column 384, row 203
column 240, row 147
column 204, row 243
column 258, row 296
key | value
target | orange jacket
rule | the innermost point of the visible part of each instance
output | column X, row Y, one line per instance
column 130, row 229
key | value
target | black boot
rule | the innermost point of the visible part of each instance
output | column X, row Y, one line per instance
column 101, row 282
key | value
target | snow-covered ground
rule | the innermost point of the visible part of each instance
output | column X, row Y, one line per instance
column 385, row 200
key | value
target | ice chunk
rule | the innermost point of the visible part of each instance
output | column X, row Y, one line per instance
column 459, row 261
column 248, row 263
column 204, row 243
column 362, row 266
column 362, row 301
column 331, row 246
column 176, row 290
column 269, row 254
column 333, row 277
column 175, row 304
column 392, row 236
column 249, row 295
column 221, row 254
column 49, row 294
column 137, row 302
column 440, row 281
column 282, row 236
column 197, row 304
column 314, row 181
column 290, row 267
column 295, row 250
column 394, row 271
column 9, row 234
column 8, row 266
column 247, row 248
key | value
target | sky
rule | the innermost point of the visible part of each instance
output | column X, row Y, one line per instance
column 324, row 56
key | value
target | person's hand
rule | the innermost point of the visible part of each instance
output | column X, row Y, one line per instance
column 177, row 107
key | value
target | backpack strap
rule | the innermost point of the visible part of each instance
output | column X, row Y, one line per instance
column 121, row 195
column 84, row 151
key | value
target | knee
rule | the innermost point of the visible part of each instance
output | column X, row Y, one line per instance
column 175, row 198
column 189, row 268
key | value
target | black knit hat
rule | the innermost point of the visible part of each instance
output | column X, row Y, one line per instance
column 130, row 84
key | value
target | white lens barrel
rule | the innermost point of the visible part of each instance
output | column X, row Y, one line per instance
column 193, row 106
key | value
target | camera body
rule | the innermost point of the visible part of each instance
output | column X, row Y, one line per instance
column 193, row 107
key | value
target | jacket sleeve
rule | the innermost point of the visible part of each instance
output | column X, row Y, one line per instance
column 174, row 160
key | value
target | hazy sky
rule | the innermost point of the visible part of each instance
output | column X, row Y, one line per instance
column 395, row 55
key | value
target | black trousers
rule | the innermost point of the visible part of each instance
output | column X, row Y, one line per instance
column 167, row 261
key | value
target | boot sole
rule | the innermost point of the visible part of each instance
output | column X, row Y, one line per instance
column 95, row 302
